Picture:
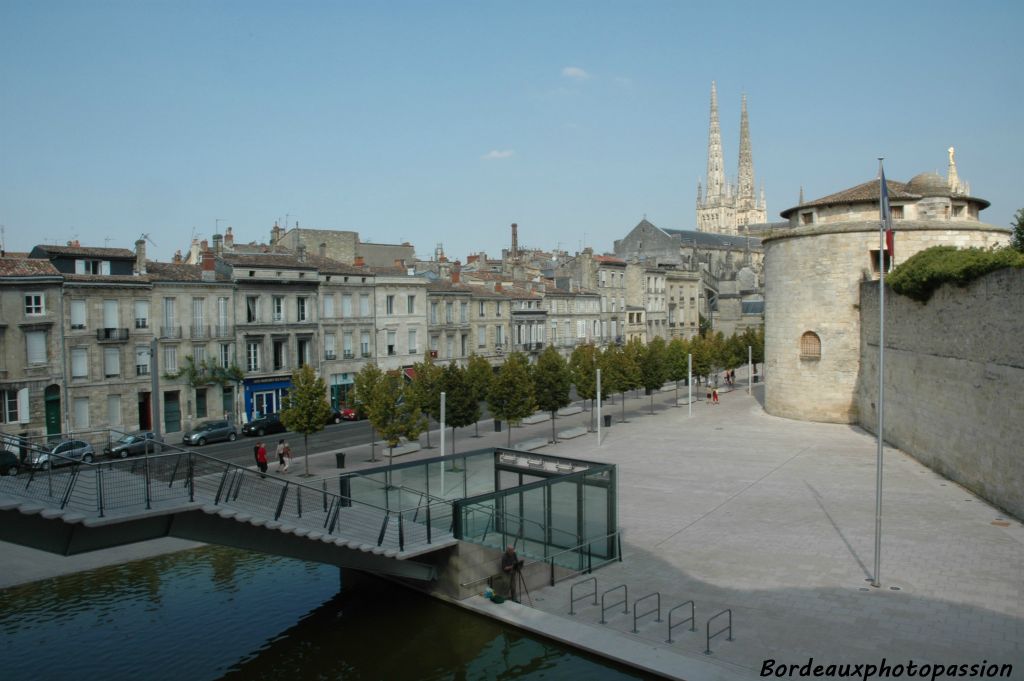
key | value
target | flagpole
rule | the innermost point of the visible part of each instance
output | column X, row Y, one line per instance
column 883, row 208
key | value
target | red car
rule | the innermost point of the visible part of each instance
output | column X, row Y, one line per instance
column 352, row 414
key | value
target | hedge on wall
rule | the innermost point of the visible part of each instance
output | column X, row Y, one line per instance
column 924, row 272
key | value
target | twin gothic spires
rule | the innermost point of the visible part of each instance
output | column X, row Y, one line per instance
column 726, row 208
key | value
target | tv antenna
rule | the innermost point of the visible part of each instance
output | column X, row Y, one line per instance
column 146, row 237
column 216, row 224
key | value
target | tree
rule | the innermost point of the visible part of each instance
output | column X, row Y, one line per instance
column 510, row 398
column 583, row 366
column 479, row 376
column 426, row 389
column 306, row 407
column 461, row 406
column 654, row 367
column 633, row 357
column 700, row 348
column 1017, row 239
column 676, row 362
column 392, row 414
column 365, row 384
column 613, row 379
column 552, row 381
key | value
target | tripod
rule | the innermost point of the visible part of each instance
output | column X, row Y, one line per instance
column 520, row 581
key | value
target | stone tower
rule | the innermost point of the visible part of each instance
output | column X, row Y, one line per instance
column 722, row 207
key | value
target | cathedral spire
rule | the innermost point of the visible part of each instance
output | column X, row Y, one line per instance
column 746, row 169
column 955, row 186
column 716, row 174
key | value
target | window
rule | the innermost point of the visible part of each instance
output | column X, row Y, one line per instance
column 499, row 335
column 198, row 354
column 79, row 363
column 225, row 355
column 252, row 309
column 346, row 305
column 896, row 212
column 14, row 406
column 92, row 267
column 141, row 360
column 277, row 309
column 280, row 354
column 874, row 261
column 433, row 313
column 389, row 304
column 497, row 307
column 81, row 412
column 252, row 356
column 111, row 317
column 364, row 304
column 198, row 317
column 433, row 346
column 807, row 218
column 958, row 211
column 111, row 362
column 413, row 350
column 329, row 342
column 482, row 304
column 449, row 346
column 481, row 336
column 222, row 315
column 304, row 346
column 35, row 304
column 364, row 343
column 329, row 305
column 810, row 346
column 170, row 358
column 142, row 314
column 392, row 347
column 201, row 403
column 346, row 345
column 114, row 410
column 449, row 309
column 302, row 309
column 168, row 312
column 35, row 345
column 77, row 314
column 410, row 304
column 464, row 312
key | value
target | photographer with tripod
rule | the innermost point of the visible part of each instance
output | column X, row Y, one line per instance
column 511, row 564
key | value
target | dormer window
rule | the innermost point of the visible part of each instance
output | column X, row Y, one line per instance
column 92, row 267
column 896, row 212
column 807, row 217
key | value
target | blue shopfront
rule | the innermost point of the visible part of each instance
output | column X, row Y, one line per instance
column 265, row 395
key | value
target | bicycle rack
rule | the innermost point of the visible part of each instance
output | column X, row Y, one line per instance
column 624, row 602
column 727, row 627
column 690, row 619
column 638, row 615
column 573, row 597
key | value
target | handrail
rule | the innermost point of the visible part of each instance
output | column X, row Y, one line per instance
column 638, row 615
column 573, row 598
column 727, row 627
column 504, row 514
column 624, row 602
column 690, row 619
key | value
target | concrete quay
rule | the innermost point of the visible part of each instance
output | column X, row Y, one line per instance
column 774, row 519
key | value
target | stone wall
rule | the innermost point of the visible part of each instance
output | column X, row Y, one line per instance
column 954, row 386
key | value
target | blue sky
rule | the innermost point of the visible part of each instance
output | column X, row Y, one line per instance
column 436, row 122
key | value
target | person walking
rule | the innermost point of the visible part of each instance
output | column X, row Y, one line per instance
column 281, row 465
column 287, row 456
column 261, row 459
column 714, row 395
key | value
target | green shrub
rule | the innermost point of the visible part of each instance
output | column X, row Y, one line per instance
column 923, row 273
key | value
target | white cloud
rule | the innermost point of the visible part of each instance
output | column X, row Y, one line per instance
column 497, row 154
column 575, row 72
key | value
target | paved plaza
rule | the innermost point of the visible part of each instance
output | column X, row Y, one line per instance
column 774, row 519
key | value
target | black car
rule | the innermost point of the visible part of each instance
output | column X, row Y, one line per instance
column 133, row 444
column 266, row 425
column 8, row 462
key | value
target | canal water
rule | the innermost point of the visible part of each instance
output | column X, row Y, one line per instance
column 218, row 613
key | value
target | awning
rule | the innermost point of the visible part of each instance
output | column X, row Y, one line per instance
column 410, row 373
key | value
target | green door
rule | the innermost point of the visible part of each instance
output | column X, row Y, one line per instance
column 172, row 412
column 52, row 400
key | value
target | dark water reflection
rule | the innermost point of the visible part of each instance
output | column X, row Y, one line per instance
column 220, row 613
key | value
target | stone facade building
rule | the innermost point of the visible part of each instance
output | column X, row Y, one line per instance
column 813, row 271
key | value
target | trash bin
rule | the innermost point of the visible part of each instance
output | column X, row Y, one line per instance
column 755, row 378
column 607, row 420
column 339, row 459
column 497, row 425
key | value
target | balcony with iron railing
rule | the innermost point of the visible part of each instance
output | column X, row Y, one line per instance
column 142, row 370
column 170, row 332
column 112, row 335
column 329, row 355
column 224, row 330
column 199, row 332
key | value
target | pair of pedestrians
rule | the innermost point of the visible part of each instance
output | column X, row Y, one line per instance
column 283, row 452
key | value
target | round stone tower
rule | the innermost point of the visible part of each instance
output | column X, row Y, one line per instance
column 812, row 272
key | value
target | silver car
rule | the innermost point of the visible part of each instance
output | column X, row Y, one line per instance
column 210, row 431
column 63, row 453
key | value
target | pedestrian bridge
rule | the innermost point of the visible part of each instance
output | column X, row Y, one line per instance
column 395, row 520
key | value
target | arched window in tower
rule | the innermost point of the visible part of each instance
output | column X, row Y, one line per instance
column 810, row 346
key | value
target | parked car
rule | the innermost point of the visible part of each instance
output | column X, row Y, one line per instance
column 210, row 431
column 133, row 444
column 63, row 453
column 9, row 464
column 334, row 417
column 353, row 413
column 266, row 425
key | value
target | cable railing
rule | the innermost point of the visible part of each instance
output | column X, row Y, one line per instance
column 122, row 488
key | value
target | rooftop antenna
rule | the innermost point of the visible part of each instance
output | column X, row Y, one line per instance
column 3, row 238
column 106, row 241
column 216, row 225
column 146, row 237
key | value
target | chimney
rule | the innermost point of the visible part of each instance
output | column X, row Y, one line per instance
column 229, row 239
column 218, row 244
column 140, row 256
column 457, row 272
column 359, row 262
column 208, row 273
column 515, row 241
column 275, row 234
column 323, row 250
column 177, row 257
column 497, row 286
column 300, row 253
